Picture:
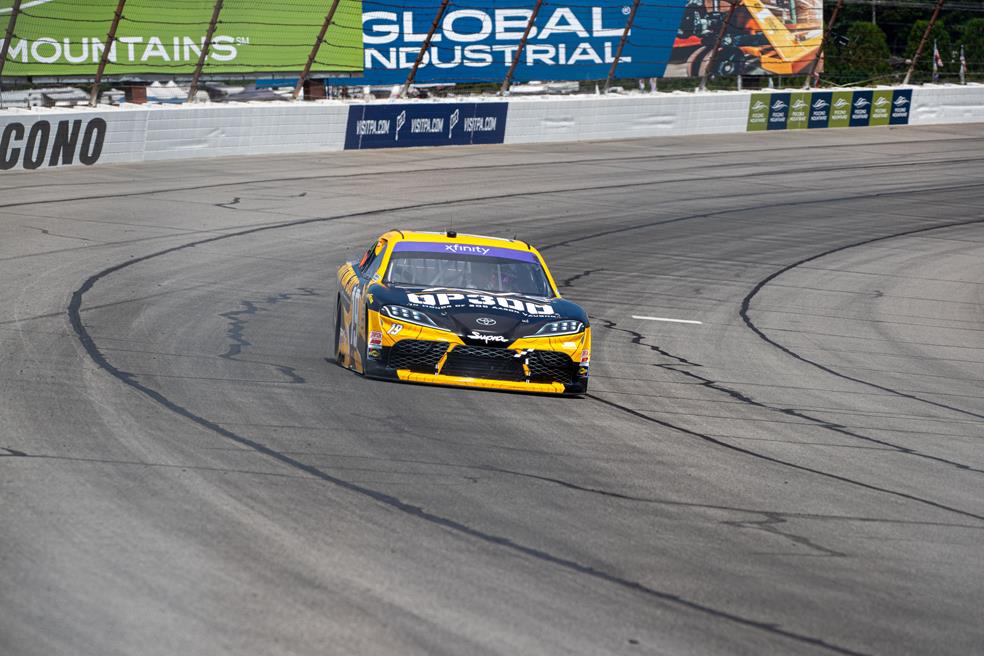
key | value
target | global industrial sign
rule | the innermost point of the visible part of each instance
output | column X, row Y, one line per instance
column 478, row 39
column 576, row 41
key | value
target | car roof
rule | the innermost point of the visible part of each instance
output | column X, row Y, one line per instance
column 443, row 238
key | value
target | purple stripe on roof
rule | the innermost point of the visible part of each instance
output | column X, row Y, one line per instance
column 464, row 249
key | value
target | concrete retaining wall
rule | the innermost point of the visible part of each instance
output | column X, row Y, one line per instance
column 45, row 138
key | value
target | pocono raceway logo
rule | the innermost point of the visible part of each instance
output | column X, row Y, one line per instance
column 43, row 143
column 476, row 38
column 900, row 109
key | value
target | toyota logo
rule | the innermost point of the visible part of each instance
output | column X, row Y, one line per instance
column 485, row 321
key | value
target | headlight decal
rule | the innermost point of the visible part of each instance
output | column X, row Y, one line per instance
column 409, row 315
column 554, row 328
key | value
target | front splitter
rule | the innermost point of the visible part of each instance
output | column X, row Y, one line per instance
column 482, row 383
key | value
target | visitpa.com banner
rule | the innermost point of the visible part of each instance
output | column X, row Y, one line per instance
column 67, row 37
column 829, row 109
column 406, row 125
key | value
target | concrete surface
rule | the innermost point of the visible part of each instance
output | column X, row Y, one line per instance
column 181, row 471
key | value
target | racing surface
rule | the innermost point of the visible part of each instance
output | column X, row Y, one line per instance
column 183, row 472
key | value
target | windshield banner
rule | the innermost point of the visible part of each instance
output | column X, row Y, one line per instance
column 404, row 125
column 464, row 249
column 67, row 37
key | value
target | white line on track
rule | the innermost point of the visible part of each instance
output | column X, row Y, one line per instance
column 699, row 323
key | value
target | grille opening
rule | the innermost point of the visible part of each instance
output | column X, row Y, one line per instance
column 484, row 362
column 502, row 364
column 417, row 355
column 547, row 366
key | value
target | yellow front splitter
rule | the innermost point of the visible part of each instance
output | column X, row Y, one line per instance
column 483, row 383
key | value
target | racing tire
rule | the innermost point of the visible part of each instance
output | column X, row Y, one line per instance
column 338, row 332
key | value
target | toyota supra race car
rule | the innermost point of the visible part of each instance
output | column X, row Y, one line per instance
column 463, row 310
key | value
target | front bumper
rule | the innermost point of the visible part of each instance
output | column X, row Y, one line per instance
column 443, row 363
column 412, row 353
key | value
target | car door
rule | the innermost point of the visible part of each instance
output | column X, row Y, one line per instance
column 354, row 306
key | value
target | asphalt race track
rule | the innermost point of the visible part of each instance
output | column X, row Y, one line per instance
column 183, row 472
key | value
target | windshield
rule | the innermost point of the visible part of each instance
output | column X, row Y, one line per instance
column 499, row 270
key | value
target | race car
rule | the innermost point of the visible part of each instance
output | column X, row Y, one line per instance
column 464, row 310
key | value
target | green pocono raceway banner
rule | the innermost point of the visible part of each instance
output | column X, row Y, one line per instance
column 804, row 110
column 67, row 37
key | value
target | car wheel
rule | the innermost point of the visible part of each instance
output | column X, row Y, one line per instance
column 338, row 333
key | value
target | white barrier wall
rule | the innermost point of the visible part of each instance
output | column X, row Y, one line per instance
column 46, row 138
column 588, row 118
column 223, row 130
column 39, row 138
column 940, row 104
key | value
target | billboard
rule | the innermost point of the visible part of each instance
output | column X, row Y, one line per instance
column 780, row 37
column 477, row 41
column 833, row 109
column 67, row 37
column 577, row 40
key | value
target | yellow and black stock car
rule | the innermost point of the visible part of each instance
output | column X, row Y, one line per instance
column 463, row 310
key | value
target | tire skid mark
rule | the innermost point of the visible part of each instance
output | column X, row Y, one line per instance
column 747, row 301
column 433, row 518
column 637, row 338
column 780, row 461
column 239, row 319
column 96, row 355
column 735, row 210
column 583, row 160
column 710, row 506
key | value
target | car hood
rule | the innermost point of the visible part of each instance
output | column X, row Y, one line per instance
column 480, row 317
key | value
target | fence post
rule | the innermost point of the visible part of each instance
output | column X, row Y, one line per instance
column 519, row 51
column 193, row 89
column 717, row 44
column 621, row 44
column 104, row 58
column 14, row 11
column 922, row 41
column 329, row 17
column 423, row 48
column 813, row 78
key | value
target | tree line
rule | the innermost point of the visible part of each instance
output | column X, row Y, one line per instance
column 871, row 45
